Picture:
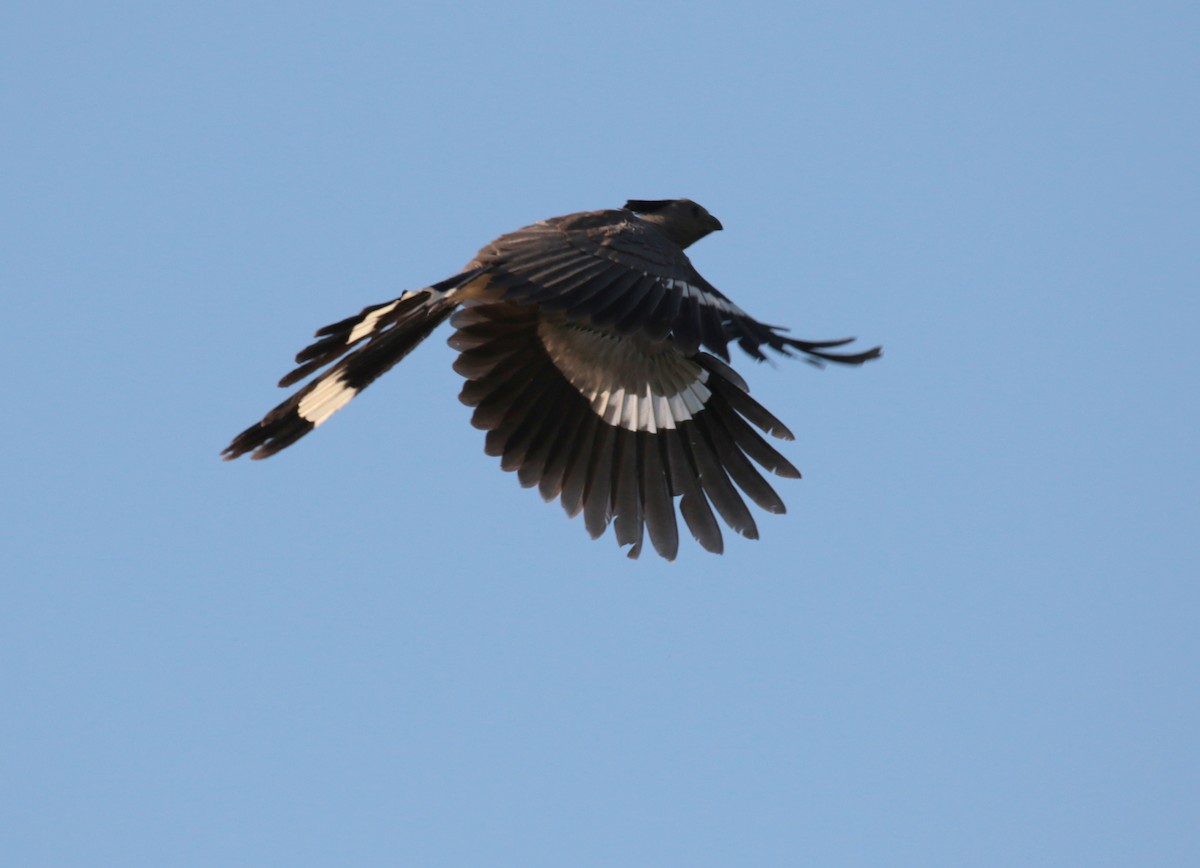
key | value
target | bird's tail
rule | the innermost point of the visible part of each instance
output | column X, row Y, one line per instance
column 387, row 333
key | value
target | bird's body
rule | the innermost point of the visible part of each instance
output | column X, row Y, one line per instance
column 582, row 339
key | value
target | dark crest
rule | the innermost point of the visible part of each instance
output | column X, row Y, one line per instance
column 648, row 206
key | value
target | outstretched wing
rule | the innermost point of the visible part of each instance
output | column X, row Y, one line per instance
column 612, row 270
column 617, row 426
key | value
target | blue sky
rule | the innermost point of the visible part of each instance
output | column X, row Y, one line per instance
column 973, row 638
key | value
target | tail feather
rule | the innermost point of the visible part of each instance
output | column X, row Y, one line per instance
column 390, row 331
column 336, row 340
column 371, row 322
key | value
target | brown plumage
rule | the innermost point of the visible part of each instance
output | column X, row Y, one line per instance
column 592, row 351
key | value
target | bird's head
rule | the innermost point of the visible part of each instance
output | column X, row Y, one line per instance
column 681, row 220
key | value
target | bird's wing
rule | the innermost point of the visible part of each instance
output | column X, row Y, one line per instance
column 616, row 427
column 612, row 270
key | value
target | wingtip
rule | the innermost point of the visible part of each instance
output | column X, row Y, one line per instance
column 818, row 351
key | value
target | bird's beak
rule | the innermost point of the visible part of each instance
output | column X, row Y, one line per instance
column 715, row 223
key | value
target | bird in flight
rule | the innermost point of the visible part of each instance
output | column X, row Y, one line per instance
column 595, row 356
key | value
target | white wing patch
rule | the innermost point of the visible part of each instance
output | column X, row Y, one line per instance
column 630, row 382
column 327, row 397
column 366, row 326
